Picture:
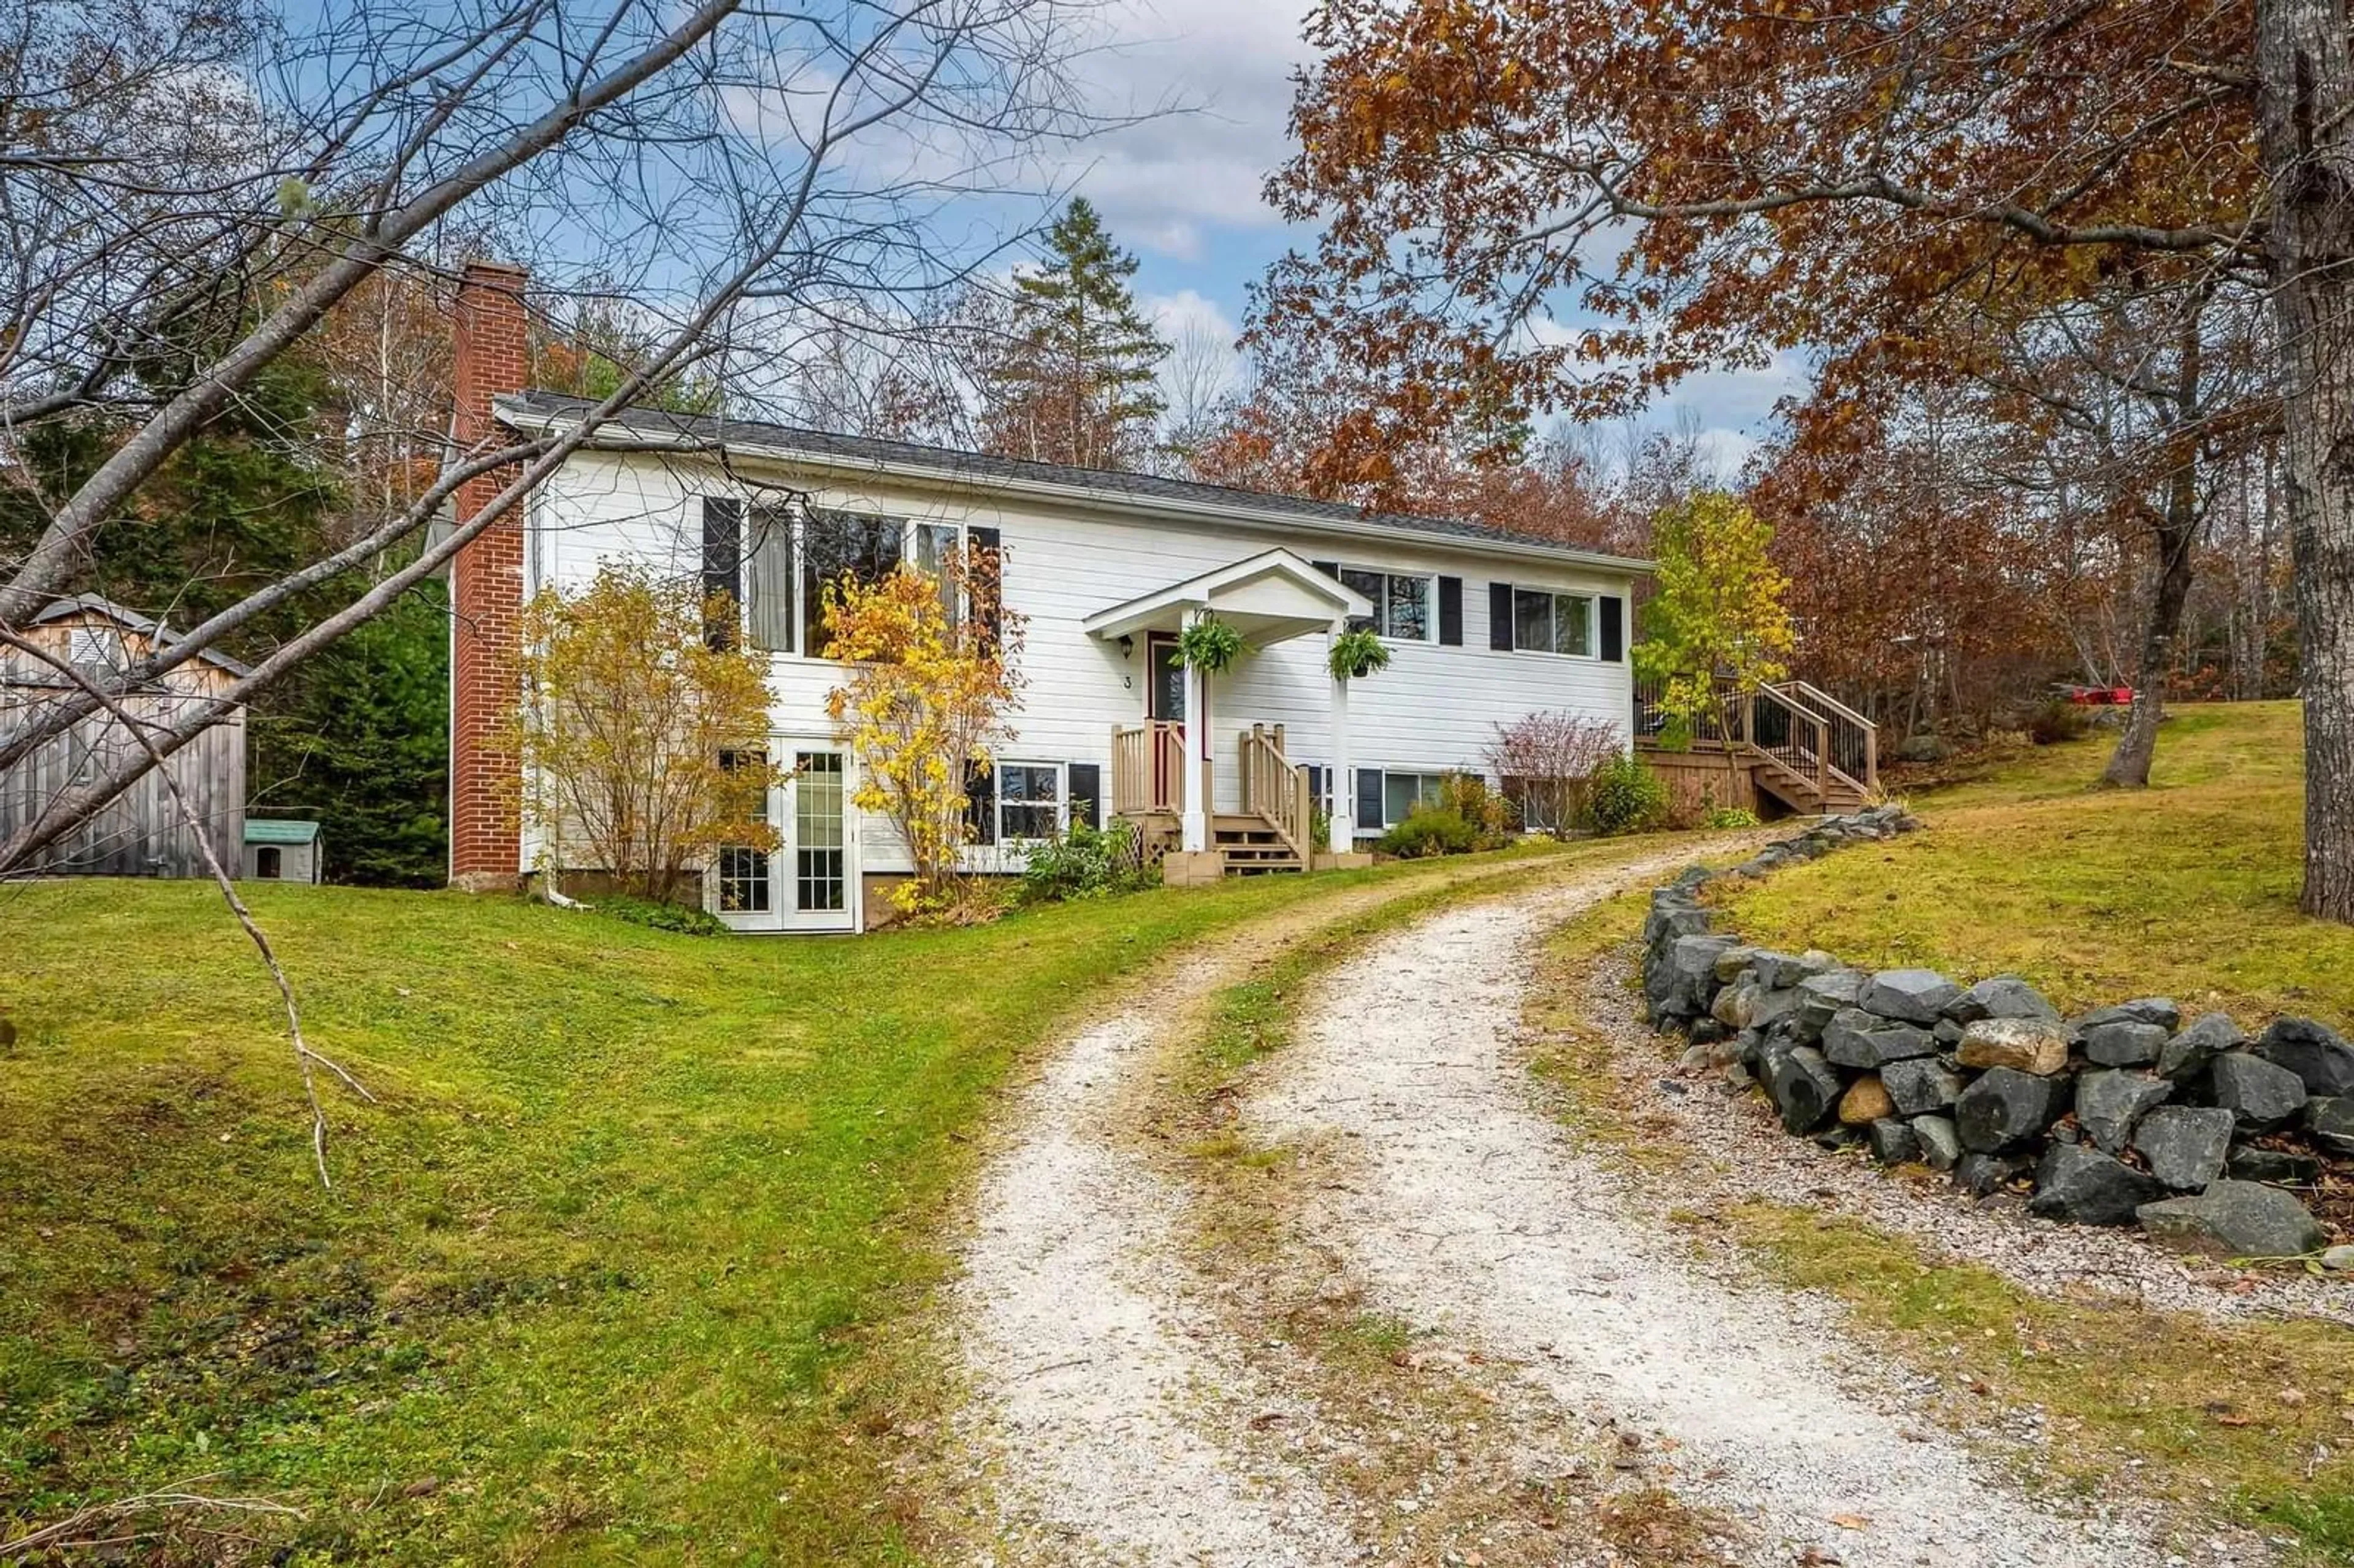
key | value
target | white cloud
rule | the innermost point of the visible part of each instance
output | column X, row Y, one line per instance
column 1224, row 67
column 1189, row 310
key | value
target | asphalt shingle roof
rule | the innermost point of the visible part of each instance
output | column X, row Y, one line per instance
column 984, row 467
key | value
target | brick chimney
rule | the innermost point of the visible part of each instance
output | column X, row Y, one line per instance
column 486, row 595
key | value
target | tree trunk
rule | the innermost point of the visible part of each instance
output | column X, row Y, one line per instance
column 2173, row 532
column 2304, row 71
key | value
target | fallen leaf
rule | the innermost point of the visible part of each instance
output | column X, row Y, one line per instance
column 1850, row 1522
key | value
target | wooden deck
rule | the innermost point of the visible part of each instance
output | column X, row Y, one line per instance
column 1790, row 743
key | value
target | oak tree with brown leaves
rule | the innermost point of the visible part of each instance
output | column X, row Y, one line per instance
column 1527, row 205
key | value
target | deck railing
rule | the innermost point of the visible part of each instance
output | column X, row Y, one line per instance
column 1799, row 727
column 1274, row 788
column 1148, row 769
column 1852, row 742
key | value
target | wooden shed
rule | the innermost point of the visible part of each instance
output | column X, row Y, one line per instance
column 141, row 832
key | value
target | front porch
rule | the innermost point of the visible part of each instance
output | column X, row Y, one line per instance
column 1270, row 829
column 1165, row 773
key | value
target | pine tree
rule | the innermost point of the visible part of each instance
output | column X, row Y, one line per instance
column 1075, row 382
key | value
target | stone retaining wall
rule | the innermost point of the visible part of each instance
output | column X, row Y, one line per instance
column 2126, row 1115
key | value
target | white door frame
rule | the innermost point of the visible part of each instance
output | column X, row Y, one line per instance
column 782, row 871
column 783, row 862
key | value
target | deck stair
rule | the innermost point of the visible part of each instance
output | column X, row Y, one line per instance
column 1799, row 745
column 1252, row 845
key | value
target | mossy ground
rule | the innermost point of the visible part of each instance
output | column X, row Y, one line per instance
column 2187, row 888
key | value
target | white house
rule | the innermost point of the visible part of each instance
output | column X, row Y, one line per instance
column 1484, row 628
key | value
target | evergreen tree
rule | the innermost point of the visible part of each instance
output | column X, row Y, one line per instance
column 1076, row 380
column 357, row 739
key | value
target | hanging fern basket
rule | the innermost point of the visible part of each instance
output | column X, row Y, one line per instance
column 1209, row 645
column 1357, row 654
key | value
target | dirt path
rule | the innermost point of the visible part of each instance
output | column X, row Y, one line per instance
column 1463, row 1206
column 1129, row 1409
column 1113, row 1420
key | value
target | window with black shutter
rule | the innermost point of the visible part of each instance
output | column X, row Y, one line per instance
column 1086, row 793
column 981, row 802
column 1499, row 616
column 1613, row 629
column 1369, row 798
column 986, row 560
column 1450, row 611
column 723, row 566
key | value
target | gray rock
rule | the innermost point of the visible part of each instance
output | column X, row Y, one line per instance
column 2237, row 1219
column 2158, row 1011
column 2085, row 1187
column 1920, row 1085
column 1731, row 962
column 1738, row 1079
column 2284, row 1167
column 1866, row 1042
column 1780, row 971
column 1669, row 921
column 2338, row 1259
column 2254, row 1090
column 2004, row 996
column 2004, row 1107
column 1980, row 1174
column 2185, row 1145
column 1923, row 748
column 1767, row 1008
column 1909, row 996
column 2329, row 1122
column 1837, row 1138
column 2124, row 1044
column 2027, row 1044
column 2318, row 1054
column 1947, row 1034
column 1893, row 1142
column 1803, row 1087
column 1821, row 996
column 1685, row 984
column 2109, row 1102
column 1941, row 1147
column 2187, row 1055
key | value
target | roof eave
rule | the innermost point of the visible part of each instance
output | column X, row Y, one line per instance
column 1089, row 498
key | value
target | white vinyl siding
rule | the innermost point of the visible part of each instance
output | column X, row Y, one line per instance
column 1436, row 706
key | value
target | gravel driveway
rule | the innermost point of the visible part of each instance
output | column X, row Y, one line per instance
column 1116, row 1408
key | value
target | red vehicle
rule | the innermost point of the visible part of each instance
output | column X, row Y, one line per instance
column 2097, row 696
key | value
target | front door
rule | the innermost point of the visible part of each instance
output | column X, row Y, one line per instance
column 1164, row 703
column 1165, row 698
column 810, row 883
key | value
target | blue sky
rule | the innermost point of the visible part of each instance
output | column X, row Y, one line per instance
column 1183, row 191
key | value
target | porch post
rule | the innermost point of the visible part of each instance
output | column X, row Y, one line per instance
column 1344, row 790
column 1194, row 813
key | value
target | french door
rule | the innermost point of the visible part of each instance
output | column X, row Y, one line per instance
column 810, row 882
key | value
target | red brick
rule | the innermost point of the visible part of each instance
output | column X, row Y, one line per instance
column 486, row 593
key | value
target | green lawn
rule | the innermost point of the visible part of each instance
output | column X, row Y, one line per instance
column 614, row 1272
column 2187, row 888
